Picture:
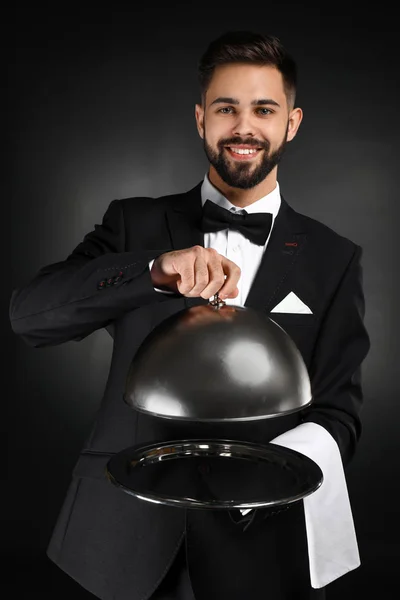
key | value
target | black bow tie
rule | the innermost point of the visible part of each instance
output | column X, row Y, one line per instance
column 255, row 227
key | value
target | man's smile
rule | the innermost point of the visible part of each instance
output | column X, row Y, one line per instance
column 242, row 152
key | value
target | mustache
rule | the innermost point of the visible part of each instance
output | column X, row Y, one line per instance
column 235, row 141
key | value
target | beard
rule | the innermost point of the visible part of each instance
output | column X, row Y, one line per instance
column 243, row 175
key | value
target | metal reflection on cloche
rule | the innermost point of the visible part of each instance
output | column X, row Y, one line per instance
column 218, row 362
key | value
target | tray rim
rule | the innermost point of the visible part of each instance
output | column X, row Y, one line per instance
column 183, row 502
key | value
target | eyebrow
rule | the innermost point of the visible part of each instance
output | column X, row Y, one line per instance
column 259, row 102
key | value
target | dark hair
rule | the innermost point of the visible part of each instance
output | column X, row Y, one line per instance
column 248, row 47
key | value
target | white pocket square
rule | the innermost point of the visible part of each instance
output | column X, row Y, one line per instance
column 292, row 304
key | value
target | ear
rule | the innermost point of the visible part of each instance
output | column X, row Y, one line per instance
column 199, row 114
column 295, row 118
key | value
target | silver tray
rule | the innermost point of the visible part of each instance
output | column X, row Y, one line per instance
column 214, row 474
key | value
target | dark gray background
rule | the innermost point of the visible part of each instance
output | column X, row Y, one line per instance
column 102, row 107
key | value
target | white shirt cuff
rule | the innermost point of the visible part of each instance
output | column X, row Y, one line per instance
column 157, row 289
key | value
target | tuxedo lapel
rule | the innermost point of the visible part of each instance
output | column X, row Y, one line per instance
column 285, row 244
column 183, row 219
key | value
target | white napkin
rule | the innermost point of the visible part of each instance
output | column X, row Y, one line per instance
column 292, row 304
column 331, row 537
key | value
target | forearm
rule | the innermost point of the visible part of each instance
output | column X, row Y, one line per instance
column 96, row 284
column 71, row 299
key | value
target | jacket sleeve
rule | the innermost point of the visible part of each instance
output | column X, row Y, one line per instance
column 335, row 370
column 96, row 284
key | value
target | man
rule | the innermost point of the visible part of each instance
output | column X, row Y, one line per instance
column 151, row 258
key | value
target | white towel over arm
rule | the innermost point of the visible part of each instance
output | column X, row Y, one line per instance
column 331, row 537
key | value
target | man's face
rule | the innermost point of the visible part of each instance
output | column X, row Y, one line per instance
column 245, row 123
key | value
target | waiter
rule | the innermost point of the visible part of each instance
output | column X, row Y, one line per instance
column 234, row 233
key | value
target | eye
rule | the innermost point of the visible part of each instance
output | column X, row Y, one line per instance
column 265, row 111
column 227, row 110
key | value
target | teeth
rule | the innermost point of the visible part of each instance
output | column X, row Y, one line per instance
column 243, row 151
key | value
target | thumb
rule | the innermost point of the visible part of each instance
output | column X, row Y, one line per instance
column 234, row 294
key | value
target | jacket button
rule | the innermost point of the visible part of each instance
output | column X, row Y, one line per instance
column 101, row 285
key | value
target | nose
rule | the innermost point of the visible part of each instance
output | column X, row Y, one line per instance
column 243, row 126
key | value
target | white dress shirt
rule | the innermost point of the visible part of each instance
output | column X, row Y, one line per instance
column 232, row 244
column 331, row 538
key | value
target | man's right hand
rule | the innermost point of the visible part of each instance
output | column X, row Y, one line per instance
column 195, row 272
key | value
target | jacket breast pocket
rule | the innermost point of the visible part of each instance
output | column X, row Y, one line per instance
column 301, row 328
column 293, row 319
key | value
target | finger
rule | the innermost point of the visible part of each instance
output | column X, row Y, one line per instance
column 234, row 294
column 232, row 272
column 185, row 281
column 216, row 278
column 194, row 276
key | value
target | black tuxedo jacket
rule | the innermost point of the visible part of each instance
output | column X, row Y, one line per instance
column 120, row 547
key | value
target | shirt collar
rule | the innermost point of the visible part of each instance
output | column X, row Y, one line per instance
column 269, row 203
